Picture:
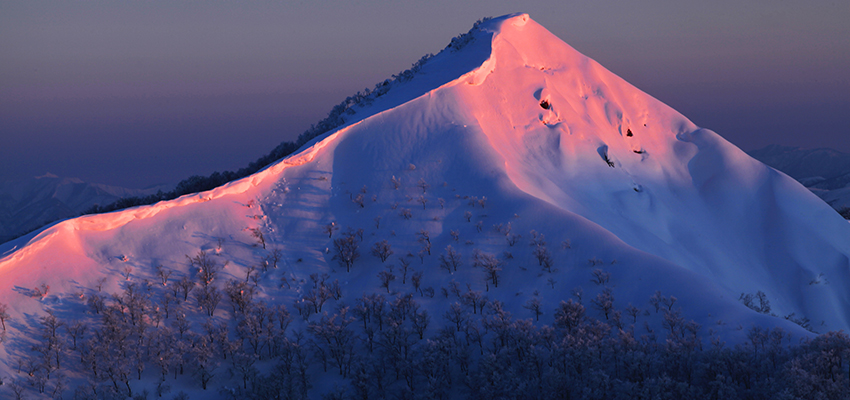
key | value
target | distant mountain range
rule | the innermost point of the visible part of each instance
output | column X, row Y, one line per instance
column 29, row 204
column 826, row 172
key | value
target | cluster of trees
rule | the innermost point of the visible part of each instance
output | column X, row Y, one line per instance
column 388, row 346
column 760, row 304
column 167, row 327
column 378, row 345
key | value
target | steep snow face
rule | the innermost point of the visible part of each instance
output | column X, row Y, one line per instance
column 514, row 128
column 577, row 136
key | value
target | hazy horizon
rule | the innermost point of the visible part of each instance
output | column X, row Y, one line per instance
column 138, row 94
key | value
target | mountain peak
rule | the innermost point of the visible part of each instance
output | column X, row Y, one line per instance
column 47, row 175
column 510, row 134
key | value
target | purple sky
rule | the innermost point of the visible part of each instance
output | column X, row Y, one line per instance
column 141, row 93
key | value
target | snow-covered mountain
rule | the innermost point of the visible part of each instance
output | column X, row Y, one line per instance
column 28, row 204
column 826, row 172
column 507, row 132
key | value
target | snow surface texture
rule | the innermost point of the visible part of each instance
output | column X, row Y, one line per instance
column 550, row 141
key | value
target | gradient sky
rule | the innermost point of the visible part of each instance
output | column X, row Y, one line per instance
column 136, row 93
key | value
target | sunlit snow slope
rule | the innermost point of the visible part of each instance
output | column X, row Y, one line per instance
column 555, row 142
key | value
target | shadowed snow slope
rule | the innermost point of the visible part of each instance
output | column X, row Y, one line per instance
column 547, row 140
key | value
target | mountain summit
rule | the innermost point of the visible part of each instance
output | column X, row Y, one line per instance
column 508, row 144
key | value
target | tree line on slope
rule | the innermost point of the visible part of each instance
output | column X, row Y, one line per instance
column 171, row 332
column 377, row 346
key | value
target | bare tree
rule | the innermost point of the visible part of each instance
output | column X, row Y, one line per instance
column 512, row 238
column 600, row 277
column 76, row 331
column 207, row 267
column 535, row 306
column 251, row 269
column 656, row 300
column 163, row 274
column 423, row 185
column 41, row 291
column 633, row 312
column 17, row 389
column 273, row 258
column 359, row 200
column 542, row 255
column 257, row 234
column 204, row 360
column 442, row 202
column 335, row 289
column 243, row 365
column 4, row 315
column 330, row 228
column 127, row 271
column 239, row 294
column 100, row 283
column 395, row 182
column 96, row 302
column 467, row 216
column 208, row 298
column 423, row 201
column 416, row 280
column 346, row 250
column 455, row 315
column 167, row 300
column 186, row 285
column 569, row 315
column 405, row 213
column 475, row 299
column 335, row 340
column 451, row 260
column 424, row 239
column 537, row 239
column 455, row 235
column 386, row 277
column 382, row 250
column 378, row 222
column 669, row 301
column 604, row 302
column 420, row 323
column 404, row 266
column 490, row 264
